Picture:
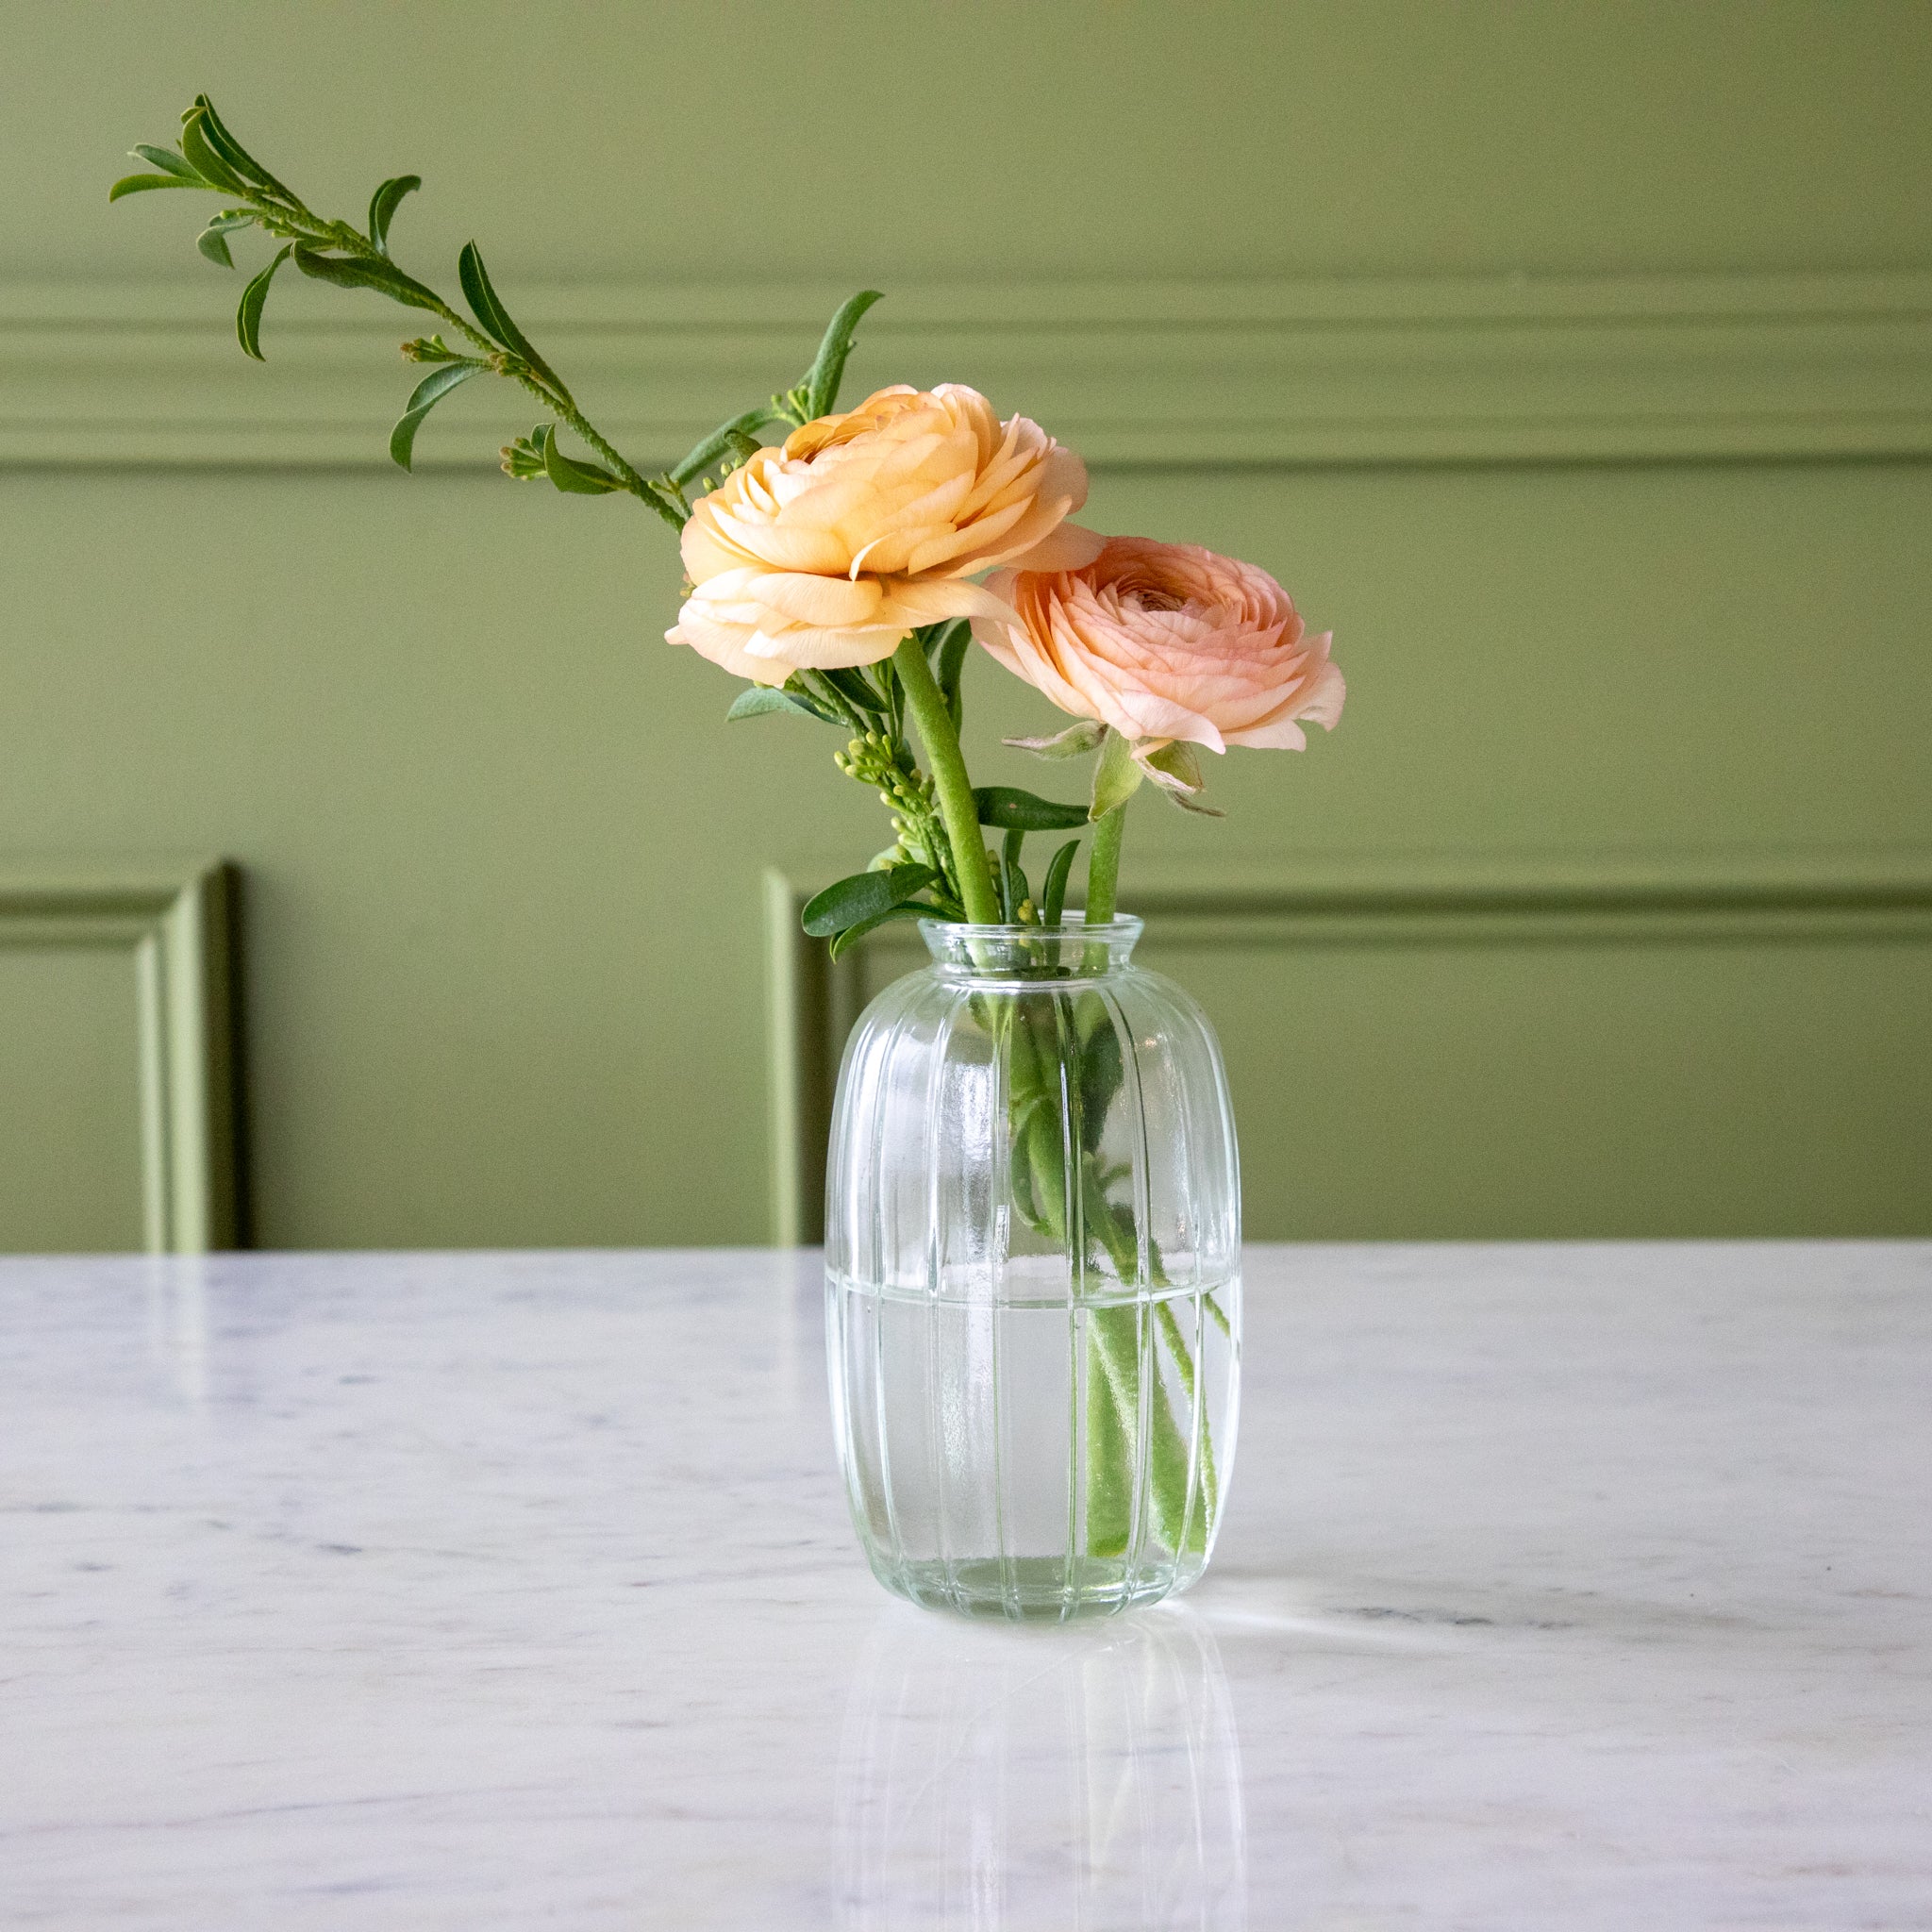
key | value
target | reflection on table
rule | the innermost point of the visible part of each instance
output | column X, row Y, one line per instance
column 1076, row 1777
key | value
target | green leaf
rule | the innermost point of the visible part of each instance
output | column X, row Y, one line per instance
column 949, row 664
column 820, row 386
column 1189, row 803
column 248, row 316
column 1015, row 891
column 423, row 399
column 824, row 691
column 359, row 272
column 1116, row 778
column 203, row 159
column 1011, row 809
column 856, row 689
column 864, row 896
column 843, row 942
column 723, row 441
column 759, row 701
column 1176, row 766
column 1084, row 735
column 233, row 154
column 168, row 161
column 1053, row 896
column 795, row 687
column 213, row 240
column 225, row 224
column 762, row 700
column 494, row 317
column 1101, row 1071
column 384, row 203
column 1176, row 769
column 140, row 184
column 572, row 477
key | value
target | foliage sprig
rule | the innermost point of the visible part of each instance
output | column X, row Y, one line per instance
column 209, row 158
column 924, row 873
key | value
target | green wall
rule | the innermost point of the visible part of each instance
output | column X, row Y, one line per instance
column 500, row 916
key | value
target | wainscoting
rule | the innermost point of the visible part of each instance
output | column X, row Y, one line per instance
column 1533, row 1044
column 1148, row 375
column 1527, row 347
column 116, row 1059
column 1722, row 1042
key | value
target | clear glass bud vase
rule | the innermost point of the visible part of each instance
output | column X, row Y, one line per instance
column 1033, row 1276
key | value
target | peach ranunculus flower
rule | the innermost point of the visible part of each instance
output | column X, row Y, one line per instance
column 828, row 549
column 1164, row 642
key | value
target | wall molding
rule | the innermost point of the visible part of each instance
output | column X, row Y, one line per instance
column 1755, row 897
column 176, row 923
column 1503, row 370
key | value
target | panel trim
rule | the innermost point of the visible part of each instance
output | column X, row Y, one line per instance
column 175, row 921
column 1881, row 895
column 1503, row 370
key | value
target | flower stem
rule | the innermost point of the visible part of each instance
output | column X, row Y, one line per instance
column 957, row 807
column 1104, row 866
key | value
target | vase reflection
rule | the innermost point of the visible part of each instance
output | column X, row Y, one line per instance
column 1079, row 1777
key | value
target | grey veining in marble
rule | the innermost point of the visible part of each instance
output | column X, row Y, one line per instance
column 1561, row 1587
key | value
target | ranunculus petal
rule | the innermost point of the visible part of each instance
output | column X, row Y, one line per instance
column 1165, row 642
column 1069, row 547
column 724, row 644
column 827, row 603
column 707, row 551
column 931, row 600
column 862, row 526
column 804, row 648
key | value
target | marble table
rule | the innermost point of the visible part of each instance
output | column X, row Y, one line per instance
column 1561, row 1587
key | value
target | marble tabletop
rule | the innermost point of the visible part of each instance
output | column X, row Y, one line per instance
column 1561, row 1587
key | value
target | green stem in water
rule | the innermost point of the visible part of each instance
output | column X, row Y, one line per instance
column 1104, row 866
column 957, row 806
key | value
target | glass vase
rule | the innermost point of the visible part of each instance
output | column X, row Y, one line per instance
column 1033, row 1276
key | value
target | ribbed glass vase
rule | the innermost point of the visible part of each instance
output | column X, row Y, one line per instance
column 1033, row 1276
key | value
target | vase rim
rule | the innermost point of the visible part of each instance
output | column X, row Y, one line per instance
column 1003, row 950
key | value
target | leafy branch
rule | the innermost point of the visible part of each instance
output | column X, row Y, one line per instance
column 921, row 873
column 212, row 161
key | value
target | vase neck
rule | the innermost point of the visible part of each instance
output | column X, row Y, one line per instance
column 1008, row 952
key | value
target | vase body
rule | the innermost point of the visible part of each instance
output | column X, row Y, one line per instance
column 1033, row 1276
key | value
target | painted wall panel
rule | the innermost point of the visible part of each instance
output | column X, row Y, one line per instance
column 1523, row 1044
column 119, row 1103
column 1609, row 1091
column 503, row 856
column 506, row 977
column 1006, row 141
column 70, row 1100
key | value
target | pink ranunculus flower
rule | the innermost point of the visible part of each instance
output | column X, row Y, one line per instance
column 825, row 551
column 1165, row 642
